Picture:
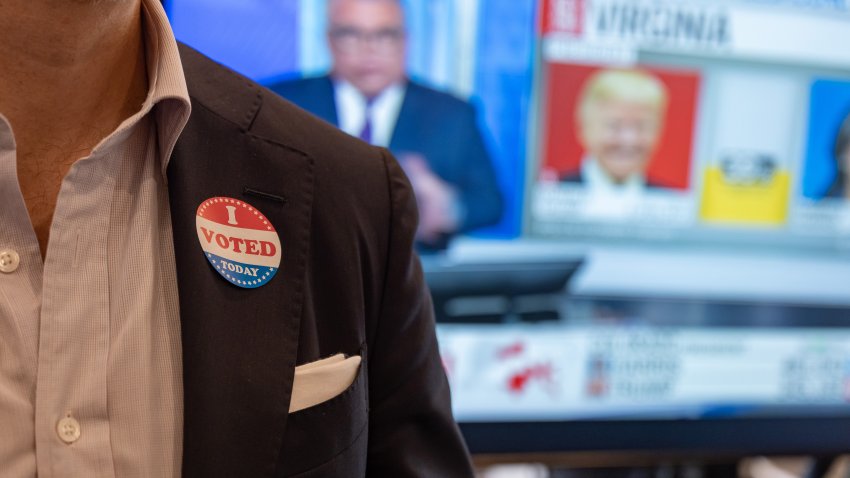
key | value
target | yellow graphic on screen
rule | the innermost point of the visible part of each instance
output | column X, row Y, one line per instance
column 746, row 188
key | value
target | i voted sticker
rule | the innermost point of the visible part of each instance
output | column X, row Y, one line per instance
column 239, row 241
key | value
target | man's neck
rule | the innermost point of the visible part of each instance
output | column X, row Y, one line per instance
column 72, row 71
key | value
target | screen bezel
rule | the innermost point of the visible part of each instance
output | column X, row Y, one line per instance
column 675, row 438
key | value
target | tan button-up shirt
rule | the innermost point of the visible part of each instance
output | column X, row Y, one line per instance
column 90, row 357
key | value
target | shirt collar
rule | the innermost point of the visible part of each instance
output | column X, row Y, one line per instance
column 389, row 93
column 383, row 110
column 168, row 95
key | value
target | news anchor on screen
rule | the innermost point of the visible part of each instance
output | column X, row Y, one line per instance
column 433, row 134
column 619, row 118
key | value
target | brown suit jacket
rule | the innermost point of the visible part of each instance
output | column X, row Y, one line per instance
column 348, row 282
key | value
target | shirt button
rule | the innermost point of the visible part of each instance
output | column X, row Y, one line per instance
column 68, row 429
column 9, row 261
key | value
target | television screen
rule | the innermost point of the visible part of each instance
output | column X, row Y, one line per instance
column 648, row 234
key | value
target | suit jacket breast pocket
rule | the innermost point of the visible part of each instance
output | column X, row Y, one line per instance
column 332, row 431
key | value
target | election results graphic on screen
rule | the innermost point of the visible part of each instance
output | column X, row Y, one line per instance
column 720, row 122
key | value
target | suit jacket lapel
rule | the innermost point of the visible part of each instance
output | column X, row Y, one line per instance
column 239, row 345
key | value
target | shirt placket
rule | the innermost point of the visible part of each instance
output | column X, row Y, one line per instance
column 72, row 423
column 20, row 301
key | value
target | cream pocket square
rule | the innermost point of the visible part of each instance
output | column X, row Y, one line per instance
column 319, row 381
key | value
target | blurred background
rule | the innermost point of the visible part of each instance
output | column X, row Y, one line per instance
column 635, row 214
